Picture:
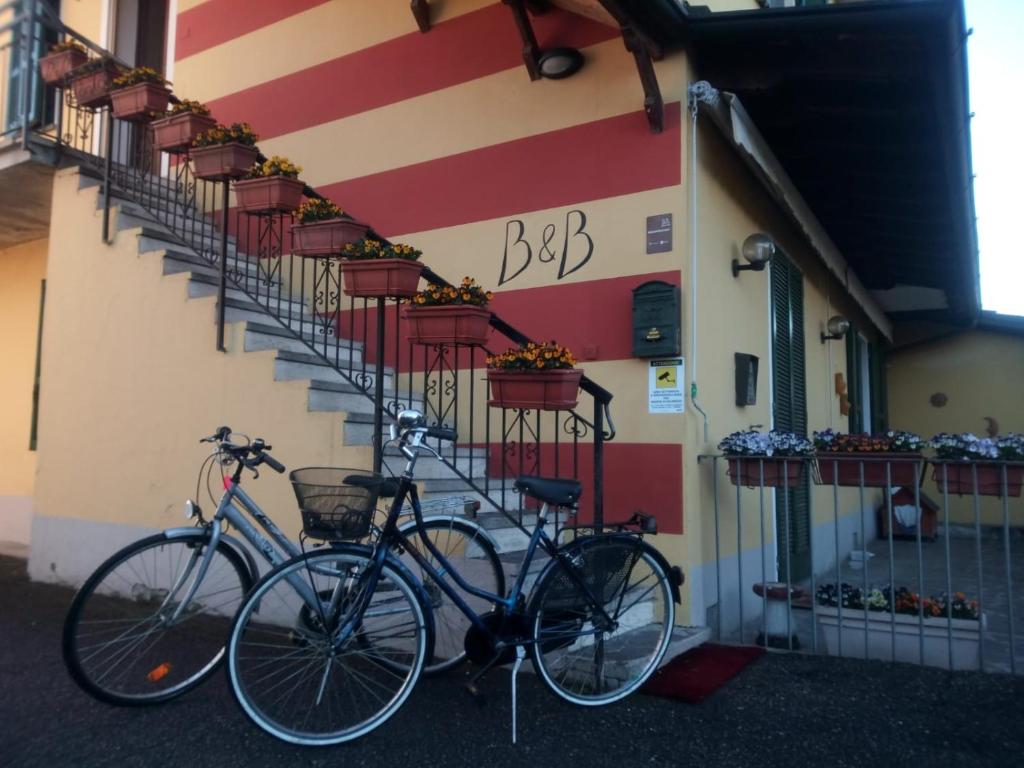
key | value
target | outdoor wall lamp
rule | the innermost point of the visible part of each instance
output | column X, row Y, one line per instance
column 837, row 328
column 558, row 63
column 758, row 250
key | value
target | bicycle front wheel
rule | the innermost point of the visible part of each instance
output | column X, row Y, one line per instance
column 600, row 631
column 123, row 643
column 319, row 654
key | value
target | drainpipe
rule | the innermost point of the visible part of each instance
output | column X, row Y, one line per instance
column 697, row 92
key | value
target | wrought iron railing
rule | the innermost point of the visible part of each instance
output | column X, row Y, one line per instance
column 359, row 343
column 949, row 533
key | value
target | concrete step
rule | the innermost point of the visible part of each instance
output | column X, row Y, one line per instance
column 201, row 285
column 153, row 238
column 348, row 397
column 176, row 225
column 293, row 366
column 470, row 462
column 271, row 335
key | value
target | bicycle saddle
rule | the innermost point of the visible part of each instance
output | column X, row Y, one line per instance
column 561, row 493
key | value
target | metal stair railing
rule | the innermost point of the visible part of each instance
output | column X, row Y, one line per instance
column 357, row 343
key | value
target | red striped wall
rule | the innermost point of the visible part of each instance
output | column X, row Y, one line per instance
column 465, row 48
column 637, row 476
column 218, row 21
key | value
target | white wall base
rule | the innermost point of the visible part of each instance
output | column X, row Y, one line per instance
column 16, row 519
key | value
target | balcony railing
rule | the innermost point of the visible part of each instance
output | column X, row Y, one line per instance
column 356, row 348
column 907, row 558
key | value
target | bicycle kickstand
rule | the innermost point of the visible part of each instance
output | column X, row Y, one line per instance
column 520, row 655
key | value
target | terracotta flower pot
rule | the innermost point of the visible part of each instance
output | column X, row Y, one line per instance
column 268, row 193
column 844, row 469
column 221, row 161
column 381, row 278
column 326, row 238
column 92, row 89
column 959, row 478
column 177, row 132
column 449, row 324
column 140, row 101
column 777, row 471
column 56, row 66
column 555, row 390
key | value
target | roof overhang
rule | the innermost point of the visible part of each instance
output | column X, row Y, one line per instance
column 865, row 107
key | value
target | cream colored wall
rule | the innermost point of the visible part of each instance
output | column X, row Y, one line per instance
column 84, row 16
column 22, row 269
column 131, row 381
column 981, row 374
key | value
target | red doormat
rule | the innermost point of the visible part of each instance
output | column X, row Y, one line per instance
column 696, row 674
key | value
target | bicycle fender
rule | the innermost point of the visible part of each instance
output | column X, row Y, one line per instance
column 462, row 521
column 239, row 548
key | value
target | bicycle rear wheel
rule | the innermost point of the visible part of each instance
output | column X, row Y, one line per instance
column 327, row 672
column 474, row 558
column 582, row 656
column 120, row 644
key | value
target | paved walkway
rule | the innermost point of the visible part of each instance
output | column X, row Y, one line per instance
column 785, row 710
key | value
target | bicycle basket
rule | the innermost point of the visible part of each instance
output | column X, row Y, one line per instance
column 336, row 503
column 602, row 568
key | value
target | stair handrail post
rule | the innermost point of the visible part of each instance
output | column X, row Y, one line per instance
column 222, row 284
column 598, row 464
column 108, row 150
column 378, row 392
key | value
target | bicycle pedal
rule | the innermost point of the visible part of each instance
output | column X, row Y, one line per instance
column 477, row 695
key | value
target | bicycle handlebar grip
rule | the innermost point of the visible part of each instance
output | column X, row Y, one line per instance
column 273, row 463
column 441, row 433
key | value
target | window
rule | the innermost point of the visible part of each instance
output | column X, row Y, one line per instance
column 865, row 366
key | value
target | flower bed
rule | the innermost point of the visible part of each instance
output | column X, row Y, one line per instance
column 323, row 230
column 91, row 82
column 371, row 269
column 450, row 314
column 270, row 186
column 971, row 464
column 139, row 94
column 181, row 125
column 224, row 152
column 61, row 60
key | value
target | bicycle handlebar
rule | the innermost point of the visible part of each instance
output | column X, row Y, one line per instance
column 442, row 433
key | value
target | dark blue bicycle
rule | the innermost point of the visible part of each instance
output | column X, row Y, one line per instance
column 327, row 646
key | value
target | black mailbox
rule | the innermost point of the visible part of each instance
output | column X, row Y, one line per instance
column 656, row 331
column 746, row 379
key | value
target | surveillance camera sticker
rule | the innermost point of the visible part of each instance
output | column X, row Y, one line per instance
column 665, row 387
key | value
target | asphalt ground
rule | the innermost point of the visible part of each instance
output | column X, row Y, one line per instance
column 784, row 710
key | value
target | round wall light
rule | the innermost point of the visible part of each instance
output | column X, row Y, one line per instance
column 837, row 328
column 758, row 250
column 559, row 63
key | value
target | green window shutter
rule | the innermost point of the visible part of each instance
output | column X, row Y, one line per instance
column 789, row 412
column 879, row 399
column 853, row 388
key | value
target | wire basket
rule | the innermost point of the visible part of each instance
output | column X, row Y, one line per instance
column 336, row 503
column 603, row 569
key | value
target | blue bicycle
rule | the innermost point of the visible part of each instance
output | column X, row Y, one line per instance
column 329, row 645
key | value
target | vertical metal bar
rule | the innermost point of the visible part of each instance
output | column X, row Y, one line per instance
column 949, row 577
column 977, row 554
column 764, row 569
column 223, row 276
column 920, row 570
column 26, row 73
column 892, row 559
column 789, row 558
column 109, row 141
column 739, row 542
column 864, row 561
column 598, row 463
column 378, row 393
column 839, row 569
column 810, row 555
column 718, row 546
column 1009, row 581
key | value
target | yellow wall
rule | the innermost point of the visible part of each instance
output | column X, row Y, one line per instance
column 132, row 381
column 84, row 16
column 981, row 374
column 22, row 269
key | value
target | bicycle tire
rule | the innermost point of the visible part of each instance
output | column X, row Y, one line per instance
column 473, row 555
column 578, row 659
column 298, row 682
column 145, row 664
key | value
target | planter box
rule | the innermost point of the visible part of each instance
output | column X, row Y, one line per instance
column 268, row 193
column 451, row 324
column 845, row 469
column 223, row 161
column 177, row 132
column 747, row 471
column 381, row 278
column 960, row 478
column 556, row 390
column 92, row 90
column 140, row 101
column 326, row 238
column 56, row 66
column 966, row 634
